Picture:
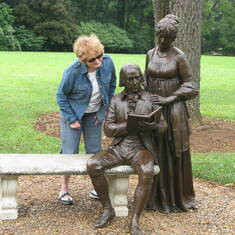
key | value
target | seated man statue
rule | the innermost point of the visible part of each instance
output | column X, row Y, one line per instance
column 135, row 150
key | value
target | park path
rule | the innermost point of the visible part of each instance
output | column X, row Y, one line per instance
column 40, row 212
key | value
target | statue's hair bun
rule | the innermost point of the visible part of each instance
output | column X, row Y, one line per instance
column 174, row 18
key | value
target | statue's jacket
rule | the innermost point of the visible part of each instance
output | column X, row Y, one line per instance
column 116, row 120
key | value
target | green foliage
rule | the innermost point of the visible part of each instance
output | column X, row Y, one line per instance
column 56, row 22
column 28, row 40
column 51, row 19
column 134, row 16
column 6, row 17
column 115, row 39
column 8, row 40
column 140, row 25
column 141, row 43
column 218, row 28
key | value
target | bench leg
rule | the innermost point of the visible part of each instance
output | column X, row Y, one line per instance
column 118, row 187
column 8, row 204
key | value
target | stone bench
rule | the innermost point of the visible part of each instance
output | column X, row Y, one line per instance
column 14, row 165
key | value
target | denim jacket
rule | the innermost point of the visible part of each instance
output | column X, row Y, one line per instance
column 75, row 89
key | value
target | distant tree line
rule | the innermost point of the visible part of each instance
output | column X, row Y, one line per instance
column 122, row 25
column 218, row 28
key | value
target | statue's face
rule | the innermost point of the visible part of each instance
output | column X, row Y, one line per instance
column 133, row 81
column 164, row 41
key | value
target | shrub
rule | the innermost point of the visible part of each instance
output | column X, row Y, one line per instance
column 141, row 42
column 114, row 38
column 28, row 40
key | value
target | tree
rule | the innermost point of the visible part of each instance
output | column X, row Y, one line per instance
column 188, row 38
column 51, row 19
column 8, row 40
column 134, row 16
column 218, row 27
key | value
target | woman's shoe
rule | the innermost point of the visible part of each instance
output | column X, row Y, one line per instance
column 94, row 195
column 65, row 198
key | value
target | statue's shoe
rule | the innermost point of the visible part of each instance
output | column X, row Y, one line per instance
column 135, row 230
column 105, row 218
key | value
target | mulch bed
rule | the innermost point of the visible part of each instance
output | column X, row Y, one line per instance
column 40, row 212
column 213, row 136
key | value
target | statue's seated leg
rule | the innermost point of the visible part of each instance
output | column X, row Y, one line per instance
column 143, row 163
column 96, row 166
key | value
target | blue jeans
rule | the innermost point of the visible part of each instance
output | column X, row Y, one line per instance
column 70, row 138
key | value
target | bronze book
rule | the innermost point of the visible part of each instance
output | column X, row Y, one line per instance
column 133, row 119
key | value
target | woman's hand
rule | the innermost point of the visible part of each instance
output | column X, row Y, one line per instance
column 75, row 125
column 160, row 100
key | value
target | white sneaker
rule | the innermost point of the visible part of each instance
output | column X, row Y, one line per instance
column 94, row 195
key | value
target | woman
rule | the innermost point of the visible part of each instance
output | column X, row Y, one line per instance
column 169, row 78
column 83, row 96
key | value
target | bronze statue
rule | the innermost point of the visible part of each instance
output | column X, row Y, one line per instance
column 135, row 150
column 169, row 79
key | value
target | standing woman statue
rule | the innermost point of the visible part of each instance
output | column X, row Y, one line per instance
column 169, row 79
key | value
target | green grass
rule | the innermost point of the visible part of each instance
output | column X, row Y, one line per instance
column 28, row 87
column 219, row 167
column 29, row 81
column 217, row 91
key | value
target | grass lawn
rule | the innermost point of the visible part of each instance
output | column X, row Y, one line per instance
column 29, row 81
column 217, row 91
column 219, row 167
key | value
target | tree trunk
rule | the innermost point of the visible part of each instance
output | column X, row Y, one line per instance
column 188, row 38
column 122, row 13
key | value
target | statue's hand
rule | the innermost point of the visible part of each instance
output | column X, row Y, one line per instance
column 147, row 126
column 160, row 100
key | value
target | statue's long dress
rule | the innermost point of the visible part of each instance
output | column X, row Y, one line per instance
column 172, row 190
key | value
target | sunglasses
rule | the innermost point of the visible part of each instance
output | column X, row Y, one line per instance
column 95, row 58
